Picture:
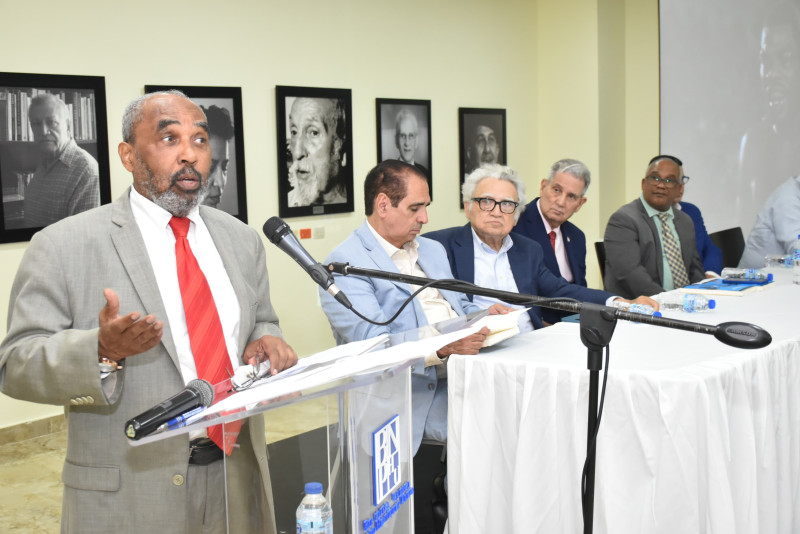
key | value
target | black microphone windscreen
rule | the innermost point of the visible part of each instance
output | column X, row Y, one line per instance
column 204, row 389
column 273, row 229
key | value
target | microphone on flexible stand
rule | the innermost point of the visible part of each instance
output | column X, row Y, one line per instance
column 281, row 235
column 172, row 412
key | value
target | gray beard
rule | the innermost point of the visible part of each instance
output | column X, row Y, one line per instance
column 169, row 200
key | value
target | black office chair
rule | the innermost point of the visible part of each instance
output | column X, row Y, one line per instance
column 600, row 250
column 731, row 243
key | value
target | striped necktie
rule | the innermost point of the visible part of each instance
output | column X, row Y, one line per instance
column 673, row 253
column 205, row 329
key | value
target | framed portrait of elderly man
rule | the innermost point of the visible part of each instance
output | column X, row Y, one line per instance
column 482, row 134
column 404, row 133
column 315, row 151
column 53, row 150
column 225, row 188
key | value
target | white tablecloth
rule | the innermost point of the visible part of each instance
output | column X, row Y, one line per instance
column 696, row 436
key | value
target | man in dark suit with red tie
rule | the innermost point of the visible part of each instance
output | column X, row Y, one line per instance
column 545, row 220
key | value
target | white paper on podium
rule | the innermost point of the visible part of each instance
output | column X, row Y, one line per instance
column 333, row 364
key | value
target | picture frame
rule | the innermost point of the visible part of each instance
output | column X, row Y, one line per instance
column 45, row 176
column 315, row 150
column 404, row 133
column 482, row 139
column 223, row 109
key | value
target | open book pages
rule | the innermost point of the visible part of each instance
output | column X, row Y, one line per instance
column 500, row 326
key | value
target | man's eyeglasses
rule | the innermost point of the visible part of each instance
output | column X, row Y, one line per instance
column 668, row 182
column 488, row 204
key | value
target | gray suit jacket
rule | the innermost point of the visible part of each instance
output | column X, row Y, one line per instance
column 634, row 264
column 50, row 356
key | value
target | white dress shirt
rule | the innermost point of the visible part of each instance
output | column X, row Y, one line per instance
column 560, row 250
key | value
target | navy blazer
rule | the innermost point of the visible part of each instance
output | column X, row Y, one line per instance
column 530, row 225
column 527, row 265
column 710, row 254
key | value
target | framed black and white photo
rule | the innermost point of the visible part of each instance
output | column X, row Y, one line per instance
column 53, row 150
column 315, row 151
column 404, row 133
column 223, row 108
column 482, row 135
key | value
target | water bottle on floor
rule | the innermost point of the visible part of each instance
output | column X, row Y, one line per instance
column 314, row 516
column 796, row 258
column 685, row 302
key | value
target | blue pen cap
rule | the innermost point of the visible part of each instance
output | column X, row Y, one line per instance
column 313, row 488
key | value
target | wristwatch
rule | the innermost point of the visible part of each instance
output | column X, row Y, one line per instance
column 108, row 366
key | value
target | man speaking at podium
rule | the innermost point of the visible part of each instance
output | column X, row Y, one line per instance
column 110, row 288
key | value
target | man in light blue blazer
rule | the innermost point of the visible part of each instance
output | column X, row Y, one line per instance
column 396, row 198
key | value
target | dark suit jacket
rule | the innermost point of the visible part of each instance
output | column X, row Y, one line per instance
column 527, row 265
column 530, row 225
column 710, row 254
column 634, row 264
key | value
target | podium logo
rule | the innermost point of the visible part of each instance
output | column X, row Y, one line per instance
column 385, row 459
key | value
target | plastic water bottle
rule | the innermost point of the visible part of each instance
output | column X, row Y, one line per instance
column 314, row 516
column 779, row 260
column 635, row 307
column 796, row 258
column 686, row 302
column 746, row 274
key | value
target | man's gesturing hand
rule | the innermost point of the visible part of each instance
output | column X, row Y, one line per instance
column 121, row 337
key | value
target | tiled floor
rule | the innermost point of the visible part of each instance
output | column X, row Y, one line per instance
column 30, row 470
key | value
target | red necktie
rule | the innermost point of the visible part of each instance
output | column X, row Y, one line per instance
column 552, row 235
column 205, row 330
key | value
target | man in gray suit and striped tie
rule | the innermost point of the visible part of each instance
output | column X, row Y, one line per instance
column 650, row 248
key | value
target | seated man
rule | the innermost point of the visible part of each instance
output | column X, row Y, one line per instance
column 650, row 247
column 546, row 221
column 482, row 252
column 777, row 225
column 396, row 198
column 710, row 254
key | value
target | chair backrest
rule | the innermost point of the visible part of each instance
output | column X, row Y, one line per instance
column 731, row 243
column 600, row 250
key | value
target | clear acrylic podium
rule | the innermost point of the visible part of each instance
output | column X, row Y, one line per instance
column 360, row 393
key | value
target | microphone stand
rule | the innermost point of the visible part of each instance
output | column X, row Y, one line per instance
column 597, row 323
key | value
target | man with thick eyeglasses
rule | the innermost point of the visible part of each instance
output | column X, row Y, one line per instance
column 546, row 221
column 484, row 251
column 650, row 248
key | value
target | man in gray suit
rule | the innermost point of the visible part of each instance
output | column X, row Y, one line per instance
column 99, row 289
column 650, row 247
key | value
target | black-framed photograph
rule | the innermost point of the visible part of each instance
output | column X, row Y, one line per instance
column 223, row 108
column 482, row 135
column 404, row 133
column 53, row 150
column 315, row 150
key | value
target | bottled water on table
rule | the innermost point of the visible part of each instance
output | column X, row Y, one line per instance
column 796, row 258
column 779, row 260
column 634, row 307
column 687, row 302
column 314, row 516
column 746, row 274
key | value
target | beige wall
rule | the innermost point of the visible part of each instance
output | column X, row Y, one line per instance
column 578, row 78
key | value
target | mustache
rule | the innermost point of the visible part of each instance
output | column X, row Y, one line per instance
column 182, row 174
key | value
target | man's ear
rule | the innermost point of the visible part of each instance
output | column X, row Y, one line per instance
column 580, row 204
column 126, row 155
column 382, row 204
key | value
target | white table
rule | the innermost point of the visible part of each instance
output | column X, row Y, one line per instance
column 696, row 436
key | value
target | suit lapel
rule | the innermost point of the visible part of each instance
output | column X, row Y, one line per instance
column 128, row 242
column 464, row 252
column 656, row 239
column 379, row 256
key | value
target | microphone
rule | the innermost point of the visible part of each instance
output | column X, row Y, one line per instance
column 281, row 235
column 743, row 335
column 197, row 393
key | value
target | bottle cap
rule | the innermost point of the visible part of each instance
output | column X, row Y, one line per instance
column 313, row 488
column 657, row 314
column 770, row 277
column 712, row 304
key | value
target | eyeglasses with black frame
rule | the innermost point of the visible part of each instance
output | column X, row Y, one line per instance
column 488, row 204
column 669, row 183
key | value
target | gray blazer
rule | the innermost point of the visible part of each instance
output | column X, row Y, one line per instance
column 634, row 264
column 50, row 356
